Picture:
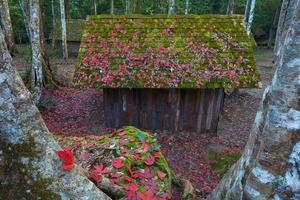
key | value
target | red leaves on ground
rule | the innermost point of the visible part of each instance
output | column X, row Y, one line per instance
column 146, row 147
column 128, row 179
column 131, row 191
column 137, row 156
column 117, row 163
column 147, row 195
column 97, row 172
column 150, row 160
column 161, row 175
column 67, row 157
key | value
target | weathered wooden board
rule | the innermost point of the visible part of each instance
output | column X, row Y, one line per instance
column 164, row 109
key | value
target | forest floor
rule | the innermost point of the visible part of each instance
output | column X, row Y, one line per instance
column 200, row 158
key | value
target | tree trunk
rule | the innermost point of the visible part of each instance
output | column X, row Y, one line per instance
column 285, row 19
column 7, row 26
column 95, row 7
column 126, row 7
column 28, row 164
column 53, row 22
column 37, row 68
column 269, row 166
column 171, row 7
column 247, row 11
column 48, row 78
column 63, row 30
column 186, row 11
column 230, row 7
column 112, row 7
column 251, row 17
column 24, row 5
column 272, row 31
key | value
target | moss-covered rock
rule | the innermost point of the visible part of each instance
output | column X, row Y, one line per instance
column 126, row 157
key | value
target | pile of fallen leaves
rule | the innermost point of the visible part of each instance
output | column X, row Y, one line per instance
column 127, row 163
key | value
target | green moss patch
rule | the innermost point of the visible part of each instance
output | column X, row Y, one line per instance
column 222, row 161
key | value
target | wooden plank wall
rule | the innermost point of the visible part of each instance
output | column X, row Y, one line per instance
column 164, row 109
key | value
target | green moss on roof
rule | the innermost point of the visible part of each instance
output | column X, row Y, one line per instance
column 75, row 29
column 160, row 51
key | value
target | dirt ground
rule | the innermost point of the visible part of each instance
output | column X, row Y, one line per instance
column 69, row 110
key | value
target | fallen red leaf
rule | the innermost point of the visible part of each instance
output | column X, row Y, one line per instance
column 161, row 175
column 117, row 163
column 131, row 191
column 67, row 157
column 150, row 160
column 147, row 195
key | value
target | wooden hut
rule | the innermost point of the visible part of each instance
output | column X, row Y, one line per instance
column 165, row 72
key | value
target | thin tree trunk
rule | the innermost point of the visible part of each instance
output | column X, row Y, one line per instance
column 187, row 4
column 29, row 168
column 269, row 166
column 24, row 5
column 247, row 11
column 48, row 78
column 112, row 7
column 272, row 30
column 37, row 67
column 171, row 7
column 251, row 17
column 95, row 7
column 63, row 30
column 126, row 7
column 7, row 26
column 53, row 23
column 230, row 7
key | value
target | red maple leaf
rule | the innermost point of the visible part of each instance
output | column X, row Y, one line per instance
column 96, row 176
column 161, row 175
column 97, row 172
column 147, row 195
column 117, row 163
column 67, row 158
column 137, row 156
column 128, row 179
column 131, row 191
column 150, row 160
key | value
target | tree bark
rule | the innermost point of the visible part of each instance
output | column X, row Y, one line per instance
column 187, row 5
column 230, row 7
column 28, row 164
column 95, row 7
column 247, row 11
column 285, row 19
column 112, row 7
column 126, row 7
column 63, row 30
column 269, row 166
column 171, row 7
column 53, row 22
column 48, row 78
column 37, row 68
column 24, row 5
column 7, row 26
column 251, row 17
column 272, row 30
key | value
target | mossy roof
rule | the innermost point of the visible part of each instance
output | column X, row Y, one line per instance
column 160, row 51
column 75, row 29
